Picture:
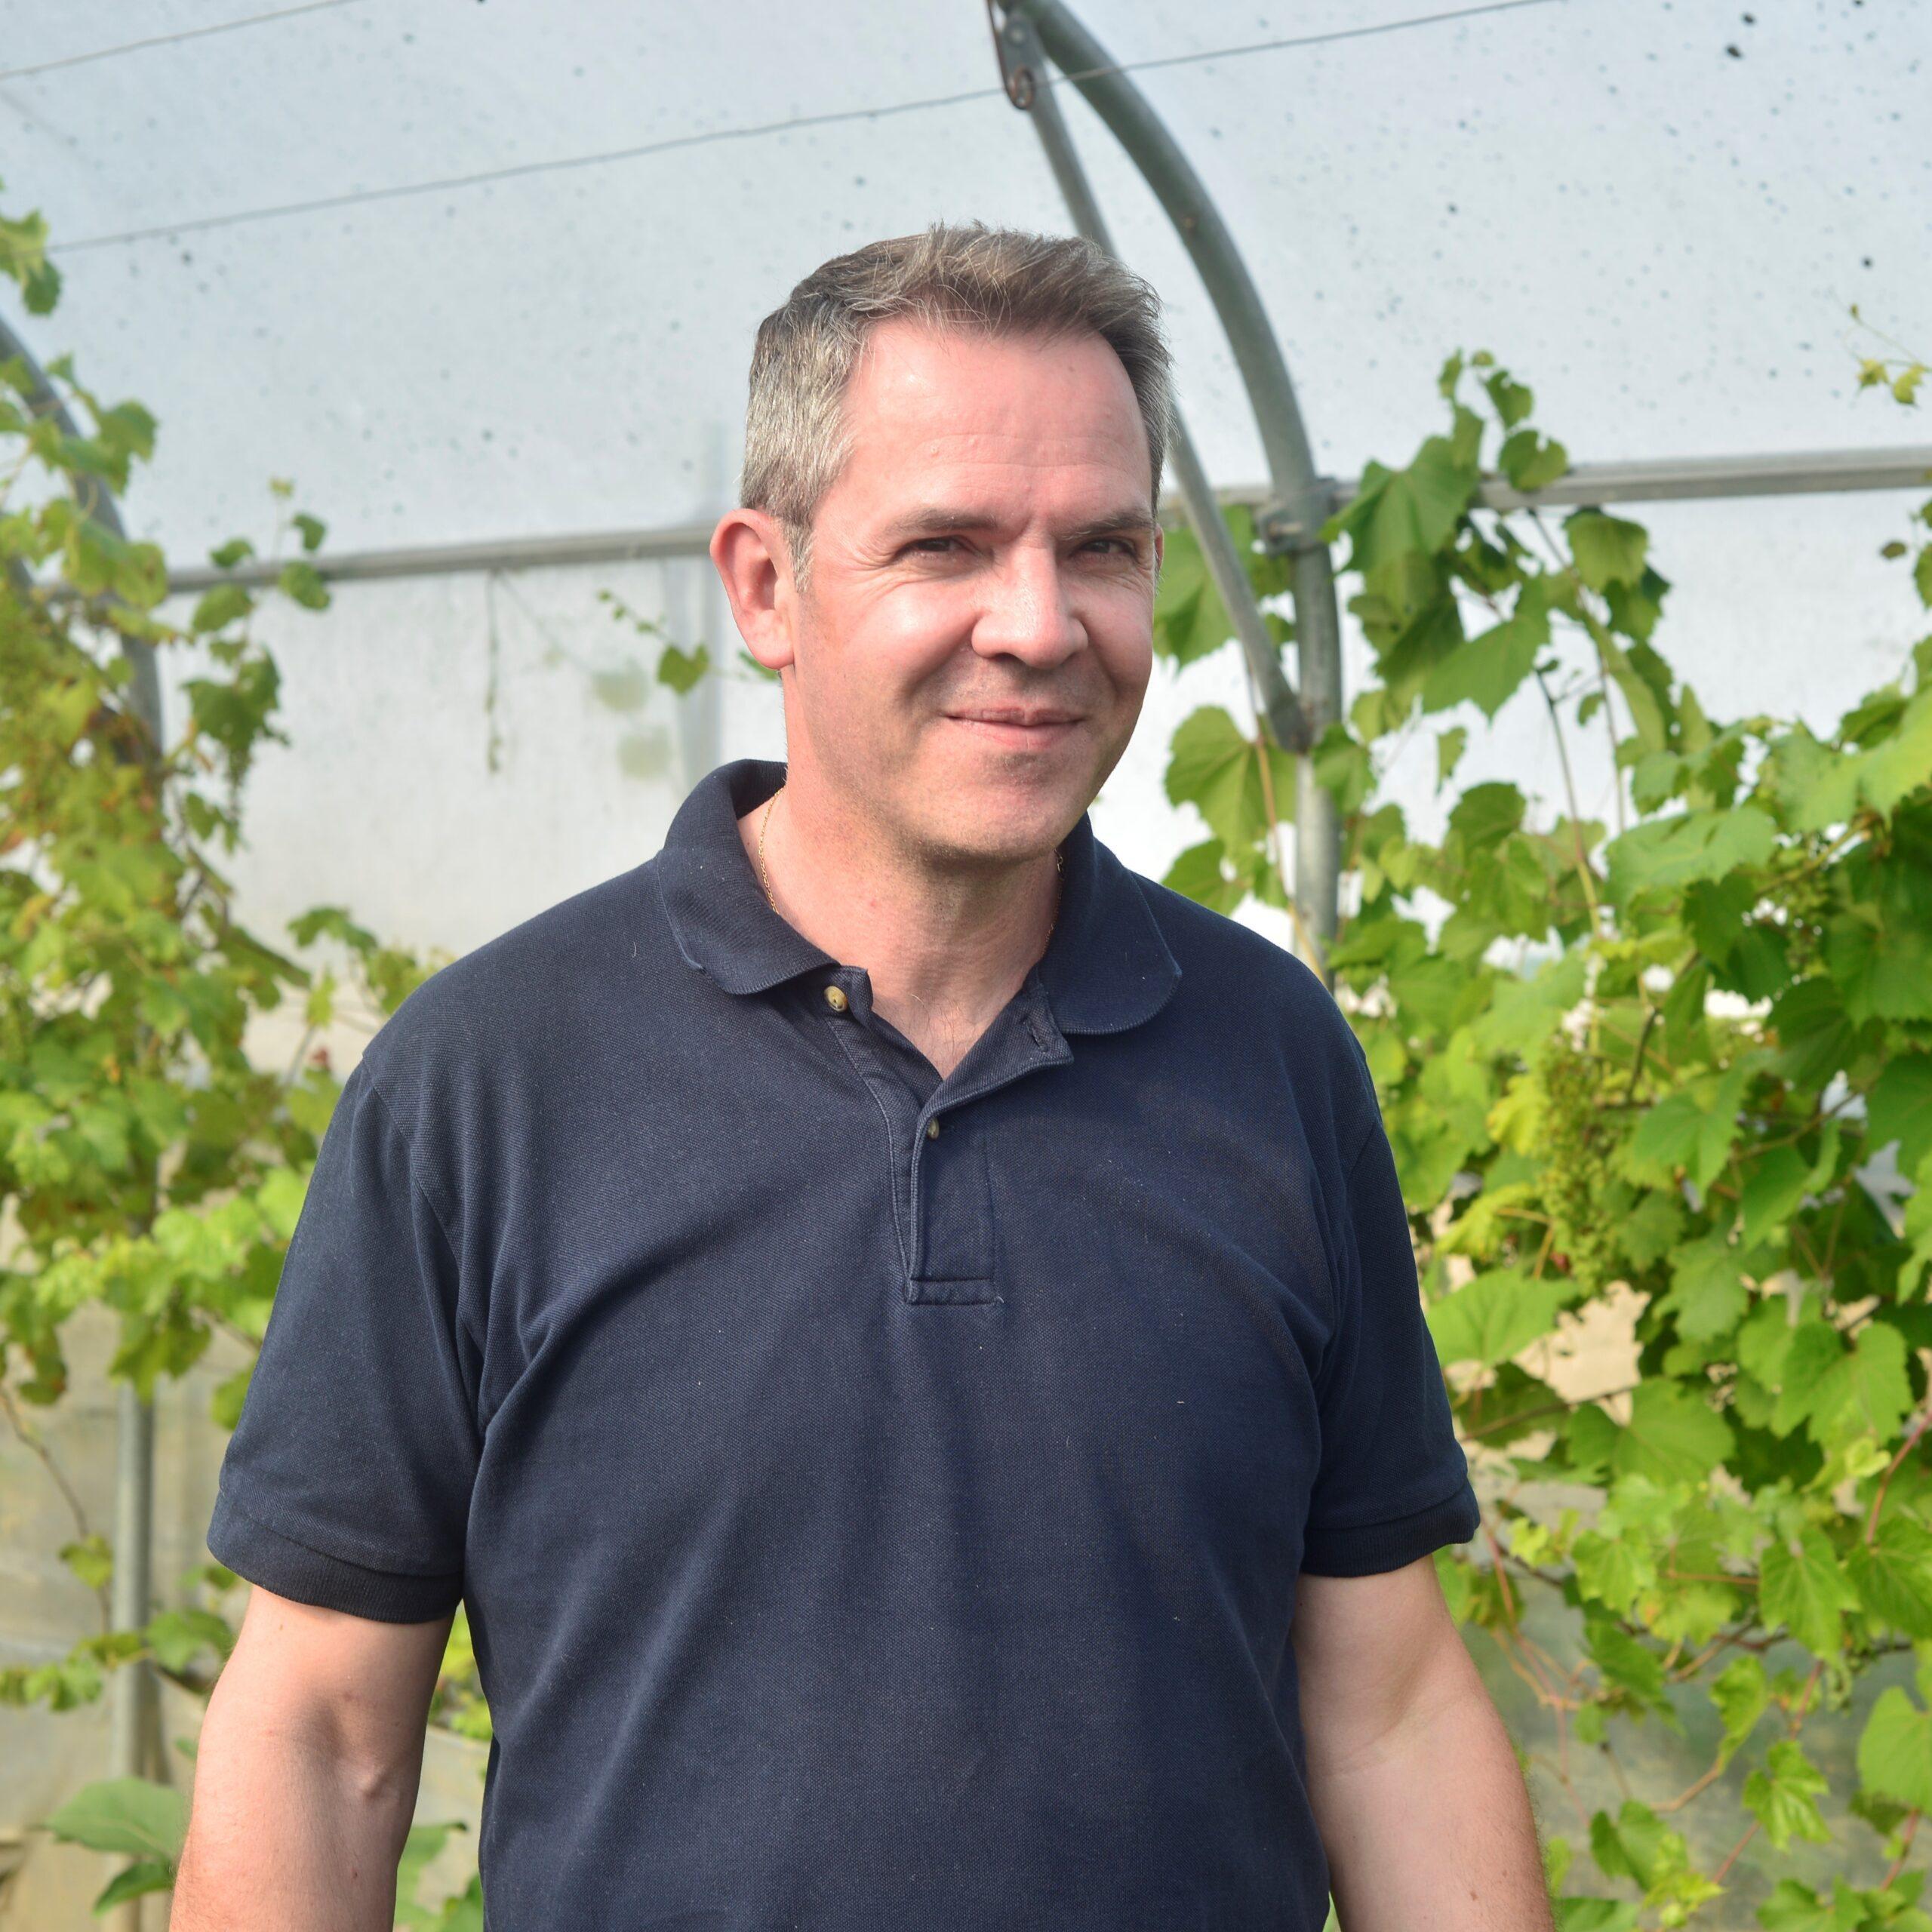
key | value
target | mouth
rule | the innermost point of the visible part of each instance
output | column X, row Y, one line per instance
column 1008, row 725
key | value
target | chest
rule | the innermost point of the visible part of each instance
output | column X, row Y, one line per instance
column 1087, row 1312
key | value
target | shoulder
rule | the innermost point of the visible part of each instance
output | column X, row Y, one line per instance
column 1242, row 994
column 515, row 1010
column 1231, row 962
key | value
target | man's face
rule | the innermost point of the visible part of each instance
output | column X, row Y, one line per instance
column 970, row 657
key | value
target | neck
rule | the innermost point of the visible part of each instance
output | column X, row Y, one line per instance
column 945, row 950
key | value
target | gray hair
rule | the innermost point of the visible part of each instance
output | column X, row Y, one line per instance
column 999, row 281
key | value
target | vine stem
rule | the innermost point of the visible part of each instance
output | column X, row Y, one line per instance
column 1530, row 1670
column 1542, row 1256
column 1563, row 1759
column 1730, row 1858
column 31, row 1438
column 1590, row 627
column 1792, row 1729
column 1803, row 1696
column 1548, row 1409
column 1616, row 1764
column 1695, row 1667
column 1576, row 811
column 1907, row 1832
column 1610, row 732
column 1263, row 739
column 229, row 1327
column 1872, row 328
column 1861, row 826
column 1691, row 1791
column 1832, row 1240
column 300, row 1054
column 1920, row 1423
column 1556, row 1770
column 1650, row 1014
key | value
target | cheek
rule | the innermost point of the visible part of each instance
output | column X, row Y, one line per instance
column 908, row 639
column 1125, row 645
column 878, row 662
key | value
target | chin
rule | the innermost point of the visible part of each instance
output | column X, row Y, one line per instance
column 1011, row 804
column 1008, row 829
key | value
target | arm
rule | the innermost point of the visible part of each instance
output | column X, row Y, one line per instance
column 1421, row 1805
column 306, row 1773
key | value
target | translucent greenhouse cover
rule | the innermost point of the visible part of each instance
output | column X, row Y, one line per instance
column 476, row 270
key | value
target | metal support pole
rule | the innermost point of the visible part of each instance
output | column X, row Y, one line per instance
column 96, row 503
column 1300, row 501
column 133, row 1697
column 132, row 1711
column 1666, row 479
column 1225, row 565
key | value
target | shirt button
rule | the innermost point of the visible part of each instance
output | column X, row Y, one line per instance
column 932, row 1130
column 834, row 998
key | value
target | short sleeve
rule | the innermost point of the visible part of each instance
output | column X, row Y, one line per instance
column 1393, row 1483
column 346, row 1483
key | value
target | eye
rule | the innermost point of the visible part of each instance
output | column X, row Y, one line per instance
column 1123, row 546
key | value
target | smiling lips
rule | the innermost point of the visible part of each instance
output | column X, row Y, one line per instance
column 1017, row 725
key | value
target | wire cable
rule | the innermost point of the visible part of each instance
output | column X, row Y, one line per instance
column 168, row 39
column 357, row 197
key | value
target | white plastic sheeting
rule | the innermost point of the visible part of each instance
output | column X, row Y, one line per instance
column 1656, row 212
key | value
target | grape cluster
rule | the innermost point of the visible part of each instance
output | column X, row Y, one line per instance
column 1577, row 1182
column 1807, row 898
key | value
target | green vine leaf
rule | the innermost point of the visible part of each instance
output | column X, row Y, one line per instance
column 1666, row 854
column 1672, row 1436
column 1496, row 1316
column 1607, row 550
column 1783, row 1796
column 1803, row 1585
column 1893, row 1576
column 1213, row 766
column 1741, row 1692
column 1486, row 670
column 1895, row 1750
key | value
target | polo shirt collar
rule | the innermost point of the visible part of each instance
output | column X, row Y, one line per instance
column 1106, row 966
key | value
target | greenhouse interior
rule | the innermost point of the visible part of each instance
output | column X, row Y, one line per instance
column 1549, row 371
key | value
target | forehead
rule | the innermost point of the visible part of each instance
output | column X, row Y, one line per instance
column 933, row 405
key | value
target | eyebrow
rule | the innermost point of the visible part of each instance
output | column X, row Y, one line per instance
column 940, row 521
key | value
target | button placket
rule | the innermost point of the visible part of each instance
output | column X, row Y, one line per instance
column 898, row 1109
column 941, row 1185
column 950, row 1195
column 955, row 1238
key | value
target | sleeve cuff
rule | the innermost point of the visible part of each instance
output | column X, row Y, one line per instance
column 1372, row 1547
column 251, row 1549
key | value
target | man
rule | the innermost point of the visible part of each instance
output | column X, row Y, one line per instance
column 902, row 1331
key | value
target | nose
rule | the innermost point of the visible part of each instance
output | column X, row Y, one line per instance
column 1029, row 613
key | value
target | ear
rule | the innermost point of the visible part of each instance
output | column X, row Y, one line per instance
column 754, row 563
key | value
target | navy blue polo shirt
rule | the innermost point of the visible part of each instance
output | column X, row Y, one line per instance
column 878, row 1498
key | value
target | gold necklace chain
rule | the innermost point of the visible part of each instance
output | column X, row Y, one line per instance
column 764, row 825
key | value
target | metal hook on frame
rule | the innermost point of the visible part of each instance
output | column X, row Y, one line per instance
column 1016, row 76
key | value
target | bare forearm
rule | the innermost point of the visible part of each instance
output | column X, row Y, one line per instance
column 283, row 1832
column 1428, row 1827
